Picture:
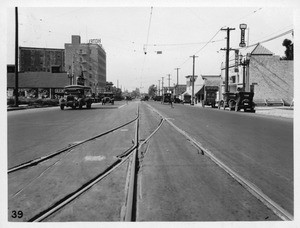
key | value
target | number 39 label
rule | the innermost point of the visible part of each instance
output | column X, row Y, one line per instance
column 17, row 214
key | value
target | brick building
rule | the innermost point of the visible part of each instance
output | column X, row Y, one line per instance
column 41, row 59
column 87, row 60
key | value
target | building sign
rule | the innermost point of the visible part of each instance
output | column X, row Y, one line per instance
column 59, row 91
column 95, row 41
column 236, row 61
column 243, row 28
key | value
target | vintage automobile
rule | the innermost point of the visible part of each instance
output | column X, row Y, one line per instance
column 229, row 100
column 108, row 97
column 76, row 96
column 245, row 101
column 166, row 98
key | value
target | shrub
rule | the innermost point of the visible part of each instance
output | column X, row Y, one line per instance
column 33, row 102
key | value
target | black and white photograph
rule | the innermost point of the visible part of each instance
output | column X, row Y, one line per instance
column 150, row 114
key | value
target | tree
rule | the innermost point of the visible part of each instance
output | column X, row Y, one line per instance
column 152, row 91
column 135, row 93
column 289, row 52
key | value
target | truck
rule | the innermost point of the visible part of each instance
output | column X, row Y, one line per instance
column 208, row 95
column 76, row 96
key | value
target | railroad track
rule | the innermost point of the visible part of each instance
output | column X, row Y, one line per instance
column 65, row 149
column 131, row 152
column 250, row 187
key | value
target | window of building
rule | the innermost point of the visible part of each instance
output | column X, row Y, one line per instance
column 55, row 69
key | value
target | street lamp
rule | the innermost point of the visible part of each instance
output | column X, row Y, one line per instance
column 245, row 63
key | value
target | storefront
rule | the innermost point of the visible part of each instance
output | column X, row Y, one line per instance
column 37, row 84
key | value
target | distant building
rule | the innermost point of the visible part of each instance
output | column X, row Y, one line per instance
column 187, row 95
column 179, row 89
column 87, row 60
column 209, row 80
column 41, row 60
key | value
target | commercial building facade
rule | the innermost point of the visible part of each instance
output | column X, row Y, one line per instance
column 87, row 60
column 270, row 77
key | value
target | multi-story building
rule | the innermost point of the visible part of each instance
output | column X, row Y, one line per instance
column 87, row 60
column 41, row 59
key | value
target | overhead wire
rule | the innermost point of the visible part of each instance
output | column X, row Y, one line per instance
column 145, row 46
column 273, row 38
column 182, row 44
column 253, row 12
column 148, row 32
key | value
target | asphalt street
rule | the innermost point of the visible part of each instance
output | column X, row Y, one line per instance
column 176, row 181
column 259, row 148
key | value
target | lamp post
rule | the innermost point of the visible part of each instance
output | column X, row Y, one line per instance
column 244, row 62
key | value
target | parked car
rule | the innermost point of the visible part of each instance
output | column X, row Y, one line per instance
column 76, row 96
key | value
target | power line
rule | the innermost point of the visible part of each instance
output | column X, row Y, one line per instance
column 148, row 33
column 181, row 44
column 203, row 46
column 273, row 38
column 219, row 31
column 243, row 17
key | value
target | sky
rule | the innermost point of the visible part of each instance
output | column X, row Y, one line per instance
column 126, row 33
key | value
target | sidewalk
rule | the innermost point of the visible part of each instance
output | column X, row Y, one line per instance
column 281, row 111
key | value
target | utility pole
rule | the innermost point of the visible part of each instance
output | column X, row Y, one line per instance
column 16, row 60
column 169, row 82
column 193, row 79
column 177, row 89
column 227, row 57
column 158, row 87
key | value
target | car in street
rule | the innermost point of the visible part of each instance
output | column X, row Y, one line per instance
column 76, row 96
column 108, row 97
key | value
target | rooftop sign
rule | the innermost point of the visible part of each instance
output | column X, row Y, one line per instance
column 95, row 41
